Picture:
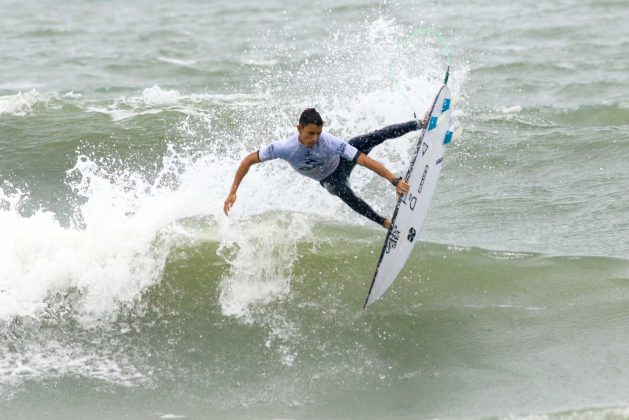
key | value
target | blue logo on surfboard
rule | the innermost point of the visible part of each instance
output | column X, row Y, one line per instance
column 433, row 123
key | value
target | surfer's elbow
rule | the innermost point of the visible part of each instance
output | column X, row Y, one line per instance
column 249, row 160
column 366, row 161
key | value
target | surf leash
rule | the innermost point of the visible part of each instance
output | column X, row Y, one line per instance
column 421, row 32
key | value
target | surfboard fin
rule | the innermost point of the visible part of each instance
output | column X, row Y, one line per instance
column 452, row 135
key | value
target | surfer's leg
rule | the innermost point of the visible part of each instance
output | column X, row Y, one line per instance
column 341, row 189
column 366, row 142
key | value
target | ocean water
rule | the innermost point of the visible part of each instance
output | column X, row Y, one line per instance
column 126, row 293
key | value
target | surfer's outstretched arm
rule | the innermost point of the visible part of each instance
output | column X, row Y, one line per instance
column 401, row 186
column 250, row 159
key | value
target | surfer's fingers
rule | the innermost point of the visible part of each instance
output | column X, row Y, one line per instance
column 402, row 187
column 229, row 203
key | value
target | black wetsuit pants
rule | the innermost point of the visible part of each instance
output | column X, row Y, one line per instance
column 337, row 182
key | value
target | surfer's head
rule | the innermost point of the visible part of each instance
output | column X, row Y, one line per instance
column 309, row 127
column 310, row 116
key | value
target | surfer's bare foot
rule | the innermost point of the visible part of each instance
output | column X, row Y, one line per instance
column 386, row 223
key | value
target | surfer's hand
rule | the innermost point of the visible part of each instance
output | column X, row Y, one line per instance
column 229, row 202
column 402, row 187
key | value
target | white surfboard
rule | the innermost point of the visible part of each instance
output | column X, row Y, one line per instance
column 412, row 209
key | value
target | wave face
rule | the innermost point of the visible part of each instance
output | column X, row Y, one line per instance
column 125, row 291
column 288, row 336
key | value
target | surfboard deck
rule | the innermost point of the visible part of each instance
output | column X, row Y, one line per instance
column 411, row 209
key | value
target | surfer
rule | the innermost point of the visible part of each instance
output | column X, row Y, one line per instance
column 328, row 159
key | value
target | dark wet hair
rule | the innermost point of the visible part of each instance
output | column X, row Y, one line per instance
column 310, row 116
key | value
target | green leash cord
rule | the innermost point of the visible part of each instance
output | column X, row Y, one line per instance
column 412, row 37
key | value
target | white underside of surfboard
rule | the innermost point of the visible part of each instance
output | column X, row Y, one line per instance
column 412, row 209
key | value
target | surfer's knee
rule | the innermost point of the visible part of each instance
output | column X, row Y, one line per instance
column 340, row 188
column 330, row 187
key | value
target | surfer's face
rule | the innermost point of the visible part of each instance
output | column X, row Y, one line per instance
column 309, row 134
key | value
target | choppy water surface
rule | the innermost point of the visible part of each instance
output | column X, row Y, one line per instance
column 126, row 293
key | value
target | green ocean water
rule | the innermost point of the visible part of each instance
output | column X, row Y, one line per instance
column 126, row 293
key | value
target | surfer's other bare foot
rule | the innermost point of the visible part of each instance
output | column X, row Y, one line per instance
column 386, row 223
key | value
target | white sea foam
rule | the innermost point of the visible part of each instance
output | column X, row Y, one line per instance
column 177, row 61
column 126, row 226
column 259, row 62
column 515, row 109
column 155, row 100
column 157, row 96
column 21, row 104
column 56, row 359
column 261, row 254
column 116, row 251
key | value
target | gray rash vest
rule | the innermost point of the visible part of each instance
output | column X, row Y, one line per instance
column 316, row 163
